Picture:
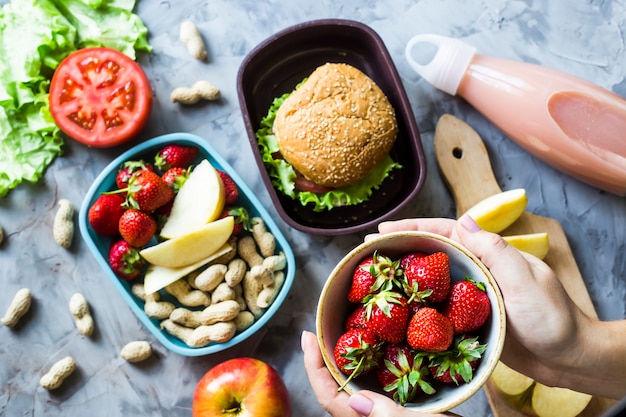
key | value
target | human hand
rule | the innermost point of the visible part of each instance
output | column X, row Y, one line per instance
column 339, row 403
column 543, row 323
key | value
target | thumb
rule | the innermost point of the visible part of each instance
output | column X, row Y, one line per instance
column 502, row 259
column 372, row 405
column 489, row 247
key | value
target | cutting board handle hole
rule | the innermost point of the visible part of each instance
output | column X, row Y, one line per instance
column 457, row 152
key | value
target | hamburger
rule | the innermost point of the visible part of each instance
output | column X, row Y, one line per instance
column 327, row 143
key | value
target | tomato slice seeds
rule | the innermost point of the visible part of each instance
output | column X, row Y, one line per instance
column 100, row 97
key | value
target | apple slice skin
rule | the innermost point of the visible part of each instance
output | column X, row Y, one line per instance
column 247, row 387
column 192, row 247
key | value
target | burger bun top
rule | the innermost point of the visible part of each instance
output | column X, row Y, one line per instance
column 336, row 127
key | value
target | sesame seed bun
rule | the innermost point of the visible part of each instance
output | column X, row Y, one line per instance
column 336, row 127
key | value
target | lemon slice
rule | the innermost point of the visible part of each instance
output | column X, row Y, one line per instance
column 536, row 244
column 497, row 212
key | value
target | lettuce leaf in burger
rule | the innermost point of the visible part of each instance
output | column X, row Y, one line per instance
column 327, row 142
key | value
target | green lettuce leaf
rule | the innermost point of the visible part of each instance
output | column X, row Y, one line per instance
column 35, row 36
column 32, row 139
column 283, row 174
column 106, row 23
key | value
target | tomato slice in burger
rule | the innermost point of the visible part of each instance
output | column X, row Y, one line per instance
column 100, row 97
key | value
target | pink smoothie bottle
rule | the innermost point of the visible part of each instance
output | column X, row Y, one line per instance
column 571, row 124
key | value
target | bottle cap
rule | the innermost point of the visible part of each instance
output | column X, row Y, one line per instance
column 447, row 66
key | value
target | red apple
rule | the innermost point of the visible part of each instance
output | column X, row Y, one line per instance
column 241, row 387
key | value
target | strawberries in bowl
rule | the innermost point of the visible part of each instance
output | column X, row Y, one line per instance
column 156, row 219
column 414, row 316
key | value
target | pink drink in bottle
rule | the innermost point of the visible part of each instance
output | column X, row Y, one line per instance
column 571, row 124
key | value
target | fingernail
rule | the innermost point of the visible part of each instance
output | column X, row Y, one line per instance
column 361, row 404
column 469, row 224
column 303, row 337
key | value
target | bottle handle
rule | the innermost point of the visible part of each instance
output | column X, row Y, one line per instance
column 447, row 66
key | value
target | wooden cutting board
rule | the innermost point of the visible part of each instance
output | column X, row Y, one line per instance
column 466, row 169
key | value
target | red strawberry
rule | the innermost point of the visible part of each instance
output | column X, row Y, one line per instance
column 104, row 215
column 137, row 227
column 231, row 191
column 429, row 331
column 417, row 299
column 242, row 219
column 371, row 275
column 414, row 305
column 406, row 259
column 175, row 177
column 162, row 213
column 356, row 319
column 175, row 156
column 387, row 315
column 402, row 373
column 362, row 281
column 458, row 364
column 146, row 191
column 468, row 306
column 430, row 272
column 125, row 260
column 128, row 169
column 356, row 352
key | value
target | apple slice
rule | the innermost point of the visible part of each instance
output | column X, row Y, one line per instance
column 199, row 201
column 536, row 244
column 158, row 277
column 558, row 402
column 497, row 212
column 192, row 247
column 509, row 382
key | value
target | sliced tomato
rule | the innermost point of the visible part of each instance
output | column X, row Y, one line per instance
column 100, row 97
column 303, row 184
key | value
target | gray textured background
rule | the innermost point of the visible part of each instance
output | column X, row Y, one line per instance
column 585, row 39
